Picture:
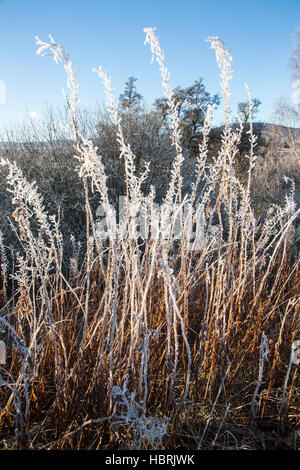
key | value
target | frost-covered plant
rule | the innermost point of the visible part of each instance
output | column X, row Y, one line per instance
column 263, row 356
column 31, row 357
column 146, row 429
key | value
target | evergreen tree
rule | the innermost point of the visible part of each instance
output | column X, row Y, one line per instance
column 130, row 100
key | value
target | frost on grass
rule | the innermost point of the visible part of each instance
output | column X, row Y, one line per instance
column 2, row 352
column 145, row 429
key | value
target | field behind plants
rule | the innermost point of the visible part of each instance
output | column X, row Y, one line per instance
column 170, row 325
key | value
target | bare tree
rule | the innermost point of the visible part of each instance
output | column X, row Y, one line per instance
column 287, row 111
column 191, row 106
column 295, row 57
column 244, row 109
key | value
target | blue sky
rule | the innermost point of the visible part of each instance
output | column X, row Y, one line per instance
column 259, row 35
